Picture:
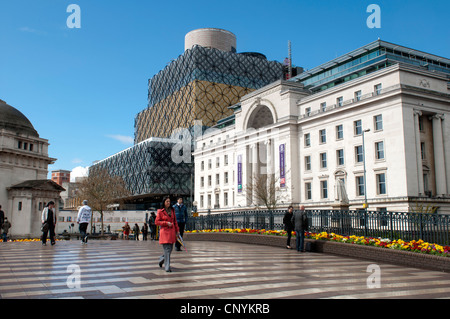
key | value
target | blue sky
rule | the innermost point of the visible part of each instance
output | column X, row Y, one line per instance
column 82, row 88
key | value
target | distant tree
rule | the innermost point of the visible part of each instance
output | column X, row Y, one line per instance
column 101, row 190
column 264, row 190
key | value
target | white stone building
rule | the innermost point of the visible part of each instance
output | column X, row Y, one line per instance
column 24, row 160
column 308, row 132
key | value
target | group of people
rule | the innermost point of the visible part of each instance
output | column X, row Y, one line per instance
column 171, row 221
column 48, row 220
column 296, row 221
column 147, row 228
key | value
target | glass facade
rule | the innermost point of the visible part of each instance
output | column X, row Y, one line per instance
column 365, row 60
column 148, row 168
column 201, row 84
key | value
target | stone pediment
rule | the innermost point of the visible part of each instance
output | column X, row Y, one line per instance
column 45, row 184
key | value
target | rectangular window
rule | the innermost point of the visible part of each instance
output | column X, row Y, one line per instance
column 340, row 157
column 340, row 101
column 225, row 177
column 358, row 96
column 307, row 140
column 209, row 180
column 323, row 160
column 307, row 163
column 217, row 162
column 217, row 179
column 202, row 166
column 357, row 127
column 323, row 136
column 359, row 156
column 422, row 151
column 381, row 184
column 379, row 150
column 339, row 132
column 308, row 192
column 225, row 199
column 308, row 111
column 377, row 89
column 360, row 185
column 202, row 202
column 225, row 160
column 323, row 106
column 217, row 205
column 324, row 189
column 209, row 163
column 209, row 200
column 202, row 181
column 19, row 206
column 378, row 122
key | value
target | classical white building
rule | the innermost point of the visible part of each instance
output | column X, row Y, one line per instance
column 379, row 114
column 24, row 160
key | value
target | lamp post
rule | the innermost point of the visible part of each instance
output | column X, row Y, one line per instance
column 364, row 163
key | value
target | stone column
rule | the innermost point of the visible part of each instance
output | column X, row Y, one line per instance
column 417, row 114
column 255, row 170
column 269, row 163
column 439, row 157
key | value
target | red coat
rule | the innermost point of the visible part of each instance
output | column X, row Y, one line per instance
column 167, row 235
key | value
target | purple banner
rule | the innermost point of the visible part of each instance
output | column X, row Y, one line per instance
column 282, row 165
column 239, row 173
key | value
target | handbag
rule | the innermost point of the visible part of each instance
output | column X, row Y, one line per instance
column 44, row 227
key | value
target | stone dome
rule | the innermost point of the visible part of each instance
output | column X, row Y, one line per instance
column 13, row 120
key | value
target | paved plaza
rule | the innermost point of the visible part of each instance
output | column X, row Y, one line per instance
column 129, row 269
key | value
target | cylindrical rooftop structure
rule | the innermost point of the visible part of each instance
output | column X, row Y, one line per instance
column 211, row 38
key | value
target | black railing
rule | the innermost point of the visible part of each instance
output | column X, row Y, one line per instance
column 433, row 228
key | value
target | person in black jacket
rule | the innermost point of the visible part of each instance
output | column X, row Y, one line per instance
column 2, row 217
column 300, row 222
column 288, row 226
column 182, row 217
column 49, row 217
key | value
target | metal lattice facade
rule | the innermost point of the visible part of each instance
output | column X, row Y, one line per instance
column 148, row 168
column 201, row 85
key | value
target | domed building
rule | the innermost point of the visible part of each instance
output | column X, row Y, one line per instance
column 24, row 160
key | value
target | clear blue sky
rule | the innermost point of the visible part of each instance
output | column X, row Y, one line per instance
column 82, row 88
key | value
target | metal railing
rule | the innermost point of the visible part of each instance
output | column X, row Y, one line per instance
column 433, row 228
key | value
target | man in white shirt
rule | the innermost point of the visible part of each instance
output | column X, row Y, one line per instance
column 83, row 219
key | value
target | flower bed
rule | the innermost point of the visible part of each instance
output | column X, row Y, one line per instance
column 417, row 246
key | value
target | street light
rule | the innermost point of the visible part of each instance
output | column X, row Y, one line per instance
column 364, row 163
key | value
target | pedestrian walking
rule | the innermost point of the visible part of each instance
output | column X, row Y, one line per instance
column 6, row 225
column 182, row 217
column 2, row 216
column 300, row 221
column 83, row 219
column 136, row 231
column 167, row 220
column 288, row 225
column 144, row 231
column 152, row 224
column 48, row 220
column 126, row 231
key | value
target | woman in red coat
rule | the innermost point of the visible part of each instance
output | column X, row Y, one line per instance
column 167, row 220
